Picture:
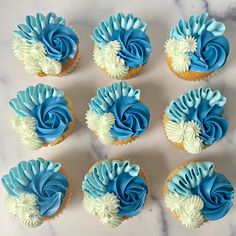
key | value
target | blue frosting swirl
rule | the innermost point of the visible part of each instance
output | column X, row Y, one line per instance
column 131, row 192
column 213, row 125
column 102, row 35
column 196, row 25
column 27, row 100
column 32, row 30
column 20, row 176
column 211, row 53
column 131, row 118
column 107, row 96
column 217, row 194
column 52, row 118
column 179, row 109
column 190, row 177
column 135, row 46
column 60, row 42
column 50, row 189
column 96, row 181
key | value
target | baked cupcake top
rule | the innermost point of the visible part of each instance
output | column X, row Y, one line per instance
column 196, row 120
column 41, row 115
column 43, row 43
column 36, row 190
column 116, row 113
column 114, row 190
column 121, row 44
column 197, row 193
column 197, row 45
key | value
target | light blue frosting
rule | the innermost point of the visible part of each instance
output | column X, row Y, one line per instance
column 27, row 100
column 190, row 177
column 217, row 194
column 131, row 118
column 52, row 118
column 95, row 183
column 179, row 109
column 32, row 30
column 101, row 35
column 135, row 46
column 20, row 176
column 195, row 25
column 211, row 53
column 131, row 192
column 107, row 96
column 50, row 189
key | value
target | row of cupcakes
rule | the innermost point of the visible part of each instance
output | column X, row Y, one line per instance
column 195, row 50
column 115, row 190
column 44, row 116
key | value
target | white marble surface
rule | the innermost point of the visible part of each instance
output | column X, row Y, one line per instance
column 158, row 85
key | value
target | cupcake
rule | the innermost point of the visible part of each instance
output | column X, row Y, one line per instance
column 42, row 116
column 195, row 120
column 121, row 46
column 46, row 46
column 195, row 193
column 116, row 114
column 38, row 190
column 197, row 48
column 114, row 190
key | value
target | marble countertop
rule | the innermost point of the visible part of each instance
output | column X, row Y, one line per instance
column 158, row 85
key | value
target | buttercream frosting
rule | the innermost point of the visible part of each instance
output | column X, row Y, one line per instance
column 107, row 96
column 101, row 35
column 190, row 177
column 195, row 25
column 95, row 182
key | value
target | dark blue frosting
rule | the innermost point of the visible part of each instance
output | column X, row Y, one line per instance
column 60, row 42
column 213, row 125
column 52, row 118
column 135, row 46
column 131, row 118
column 131, row 192
column 50, row 189
column 217, row 194
column 212, row 52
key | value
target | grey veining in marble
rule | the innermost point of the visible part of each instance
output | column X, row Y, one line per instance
column 158, row 85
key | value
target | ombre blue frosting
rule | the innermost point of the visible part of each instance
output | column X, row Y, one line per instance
column 102, row 35
column 60, row 42
column 32, row 30
column 217, row 195
column 50, row 189
column 27, row 100
column 131, row 192
column 179, row 109
column 96, row 181
column 213, row 125
column 196, row 25
column 52, row 118
column 211, row 53
column 190, row 177
column 131, row 118
column 135, row 46
column 20, row 176
column 107, row 96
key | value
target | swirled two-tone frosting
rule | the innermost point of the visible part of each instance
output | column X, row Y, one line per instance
column 179, row 109
column 95, row 182
column 190, row 177
column 196, row 25
column 102, row 35
column 106, row 97
column 31, row 31
column 47, row 106
column 41, row 179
